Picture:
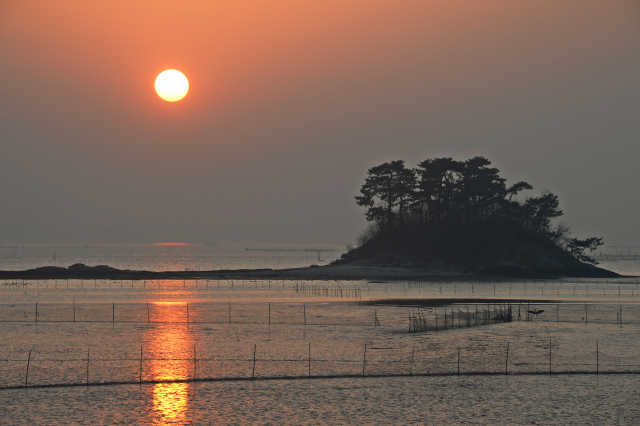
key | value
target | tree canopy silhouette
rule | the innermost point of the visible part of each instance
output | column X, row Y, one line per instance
column 442, row 190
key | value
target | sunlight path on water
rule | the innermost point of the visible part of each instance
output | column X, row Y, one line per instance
column 100, row 331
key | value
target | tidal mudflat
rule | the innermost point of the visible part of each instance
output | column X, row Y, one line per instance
column 543, row 400
column 303, row 343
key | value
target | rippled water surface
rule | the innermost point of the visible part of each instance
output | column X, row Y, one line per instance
column 518, row 400
column 323, row 337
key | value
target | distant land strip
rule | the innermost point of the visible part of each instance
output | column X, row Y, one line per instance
column 330, row 272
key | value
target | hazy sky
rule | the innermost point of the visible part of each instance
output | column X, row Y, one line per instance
column 291, row 102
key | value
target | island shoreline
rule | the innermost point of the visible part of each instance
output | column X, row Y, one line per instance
column 313, row 273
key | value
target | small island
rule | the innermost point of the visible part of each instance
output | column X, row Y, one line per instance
column 449, row 215
column 445, row 219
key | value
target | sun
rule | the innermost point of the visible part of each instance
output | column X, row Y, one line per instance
column 172, row 85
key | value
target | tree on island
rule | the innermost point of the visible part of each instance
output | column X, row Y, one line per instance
column 393, row 185
column 446, row 191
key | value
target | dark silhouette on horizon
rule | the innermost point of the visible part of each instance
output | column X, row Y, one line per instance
column 463, row 206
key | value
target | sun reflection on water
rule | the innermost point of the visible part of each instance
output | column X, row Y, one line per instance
column 170, row 348
column 171, row 400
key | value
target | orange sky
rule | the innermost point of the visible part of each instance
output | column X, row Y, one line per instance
column 291, row 83
column 105, row 55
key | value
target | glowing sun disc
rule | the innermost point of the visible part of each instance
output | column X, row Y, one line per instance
column 171, row 85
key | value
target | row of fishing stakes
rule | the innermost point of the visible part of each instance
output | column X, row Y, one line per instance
column 422, row 284
column 506, row 361
column 302, row 287
column 113, row 314
column 318, row 290
column 410, row 283
column 308, row 361
column 417, row 321
column 492, row 314
column 195, row 364
column 298, row 288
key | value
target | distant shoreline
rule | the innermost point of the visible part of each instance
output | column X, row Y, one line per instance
column 329, row 272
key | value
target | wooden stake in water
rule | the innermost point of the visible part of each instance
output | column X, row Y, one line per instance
column 88, row 354
column 113, row 313
column 254, row 363
column 36, row 311
column 148, row 316
column 458, row 360
column 549, row 355
column 269, row 313
column 413, row 351
column 229, row 312
column 597, row 358
column 140, row 364
column 309, row 359
column 26, row 379
column 304, row 312
column 195, row 362
column 586, row 314
column 506, row 361
column 187, row 313
column 364, row 362
column 74, row 311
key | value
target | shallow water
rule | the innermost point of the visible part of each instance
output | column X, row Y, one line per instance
column 114, row 291
column 545, row 400
column 177, row 330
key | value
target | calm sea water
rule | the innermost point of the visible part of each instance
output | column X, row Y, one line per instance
column 171, row 257
column 173, row 330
